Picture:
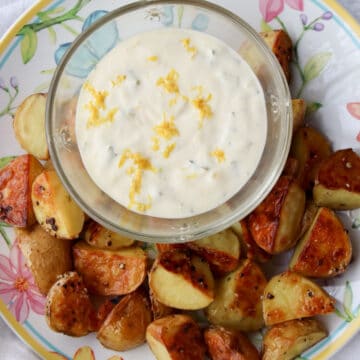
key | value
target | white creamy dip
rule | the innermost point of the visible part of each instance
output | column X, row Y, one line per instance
column 171, row 123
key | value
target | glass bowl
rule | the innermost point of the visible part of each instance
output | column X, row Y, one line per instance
column 93, row 44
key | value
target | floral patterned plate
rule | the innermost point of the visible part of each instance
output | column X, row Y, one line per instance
column 326, row 72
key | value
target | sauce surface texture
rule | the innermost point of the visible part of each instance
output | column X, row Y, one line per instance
column 171, row 123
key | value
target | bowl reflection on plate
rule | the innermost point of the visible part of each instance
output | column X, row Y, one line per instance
column 101, row 37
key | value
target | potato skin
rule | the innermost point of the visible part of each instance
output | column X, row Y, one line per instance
column 110, row 272
column 310, row 148
column 96, row 235
column 281, row 45
column 29, row 126
column 68, row 306
column 54, row 209
column 46, row 256
column 325, row 250
column 337, row 184
column 125, row 326
column 275, row 222
column 289, row 339
column 179, row 335
column 16, row 179
column 181, row 280
column 224, row 344
column 237, row 302
column 289, row 296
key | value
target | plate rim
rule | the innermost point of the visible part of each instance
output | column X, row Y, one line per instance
column 20, row 330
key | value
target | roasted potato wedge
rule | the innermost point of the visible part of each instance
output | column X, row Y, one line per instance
column 275, row 222
column 100, row 237
column 224, row 344
column 29, row 126
column 54, row 209
column 221, row 250
column 68, row 306
column 181, row 280
column 325, row 249
column 16, row 179
column 237, row 302
column 281, row 45
column 125, row 326
column 108, row 272
column 176, row 337
column 337, row 183
column 289, row 339
column 309, row 147
column 289, row 296
column 105, row 309
column 46, row 256
column 298, row 110
column 248, row 245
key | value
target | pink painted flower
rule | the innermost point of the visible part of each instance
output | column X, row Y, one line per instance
column 354, row 109
column 17, row 286
column 271, row 8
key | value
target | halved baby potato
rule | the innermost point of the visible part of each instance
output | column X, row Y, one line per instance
column 100, row 237
column 29, row 126
column 337, row 184
column 16, row 180
column 221, row 250
column 68, row 306
column 181, row 280
column 310, row 148
column 176, row 337
column 281, row 45
column 325, row 249
column 54, row 209
column 274, row 224
column 291, row 338
column 108, row 272
column 237, row 302
column 225, row 344
column 125, row 326
column 46, row 256
column 289, row 296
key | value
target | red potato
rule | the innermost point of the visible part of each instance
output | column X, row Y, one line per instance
column 176, row 337
column 68, row 306
column 16, row 180
column 108, row 272
column 125, row 326
column 275, row 223
column 224, row 344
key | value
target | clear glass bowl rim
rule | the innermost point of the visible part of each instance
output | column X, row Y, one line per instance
column 187, row 234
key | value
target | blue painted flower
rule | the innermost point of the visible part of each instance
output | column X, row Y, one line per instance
column 200, row 22
column 167, row 16
column 88, row 54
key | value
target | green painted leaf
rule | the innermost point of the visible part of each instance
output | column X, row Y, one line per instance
column 340, row 314
column 348, row 300
column 312, row 107
column 316, row 65
column 264, row 26
column 5, row 236
column 5, row 160
column 2, row 224
column 28, row 45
